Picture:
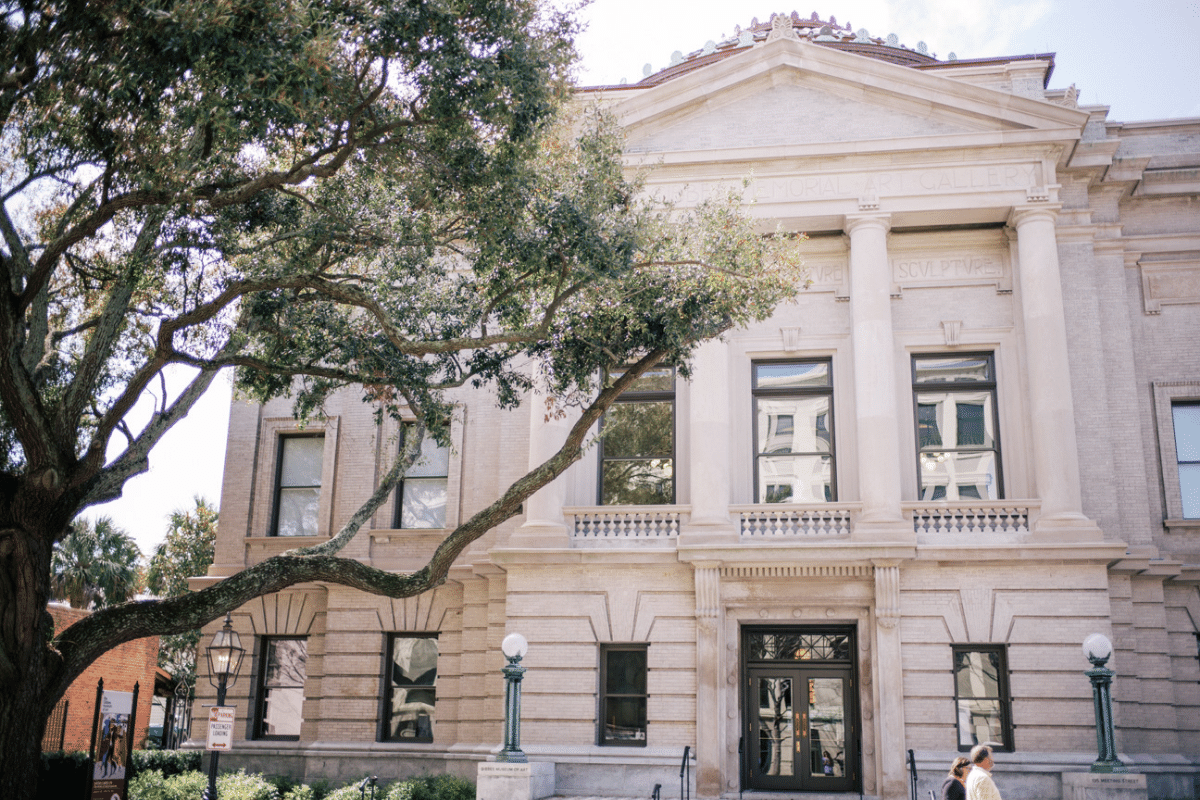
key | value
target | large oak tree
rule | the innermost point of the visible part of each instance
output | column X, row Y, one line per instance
column 321, row 194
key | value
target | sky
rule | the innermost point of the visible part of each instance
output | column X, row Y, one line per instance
column 1140, row 59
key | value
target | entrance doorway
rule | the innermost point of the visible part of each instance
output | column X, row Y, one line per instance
column 800, row 718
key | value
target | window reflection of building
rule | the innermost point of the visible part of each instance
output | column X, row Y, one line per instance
column 411, row 701
column 282, row 671
column 956, row 420
column 298, row 485
column 421, row 494
column 1186, row 420
column 637, row 449
column 794, row 454
column 981, row 696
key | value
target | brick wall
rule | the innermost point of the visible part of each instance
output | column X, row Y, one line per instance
column 121, row 667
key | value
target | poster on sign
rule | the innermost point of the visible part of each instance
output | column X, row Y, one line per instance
column 112, row 745
column 220, row 728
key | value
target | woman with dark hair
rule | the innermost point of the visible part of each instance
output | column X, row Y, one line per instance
column 954, row 788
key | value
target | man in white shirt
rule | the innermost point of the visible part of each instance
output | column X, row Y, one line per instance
column 979, row 782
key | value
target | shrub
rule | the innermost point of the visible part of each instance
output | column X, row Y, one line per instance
column 168, row 762
column 241, row 786
column 185, row 786
column 148, row 785
column 301, row 792
column 439, row 787
column 352, row 792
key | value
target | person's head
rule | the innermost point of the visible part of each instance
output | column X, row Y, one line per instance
column 981, row 755
column 960, row 767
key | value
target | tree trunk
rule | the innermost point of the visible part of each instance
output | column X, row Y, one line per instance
column 26, row 660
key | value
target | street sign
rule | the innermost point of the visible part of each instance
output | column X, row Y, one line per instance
column 220, row 728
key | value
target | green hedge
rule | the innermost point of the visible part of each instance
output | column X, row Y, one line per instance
column 152, row 784
column 168, row 762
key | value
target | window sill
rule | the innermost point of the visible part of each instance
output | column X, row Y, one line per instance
column 386, row 535
column 1182, row 524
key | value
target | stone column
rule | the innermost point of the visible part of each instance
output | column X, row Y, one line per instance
column 889, row 684
column 708, row 438
column 544, row 522
column 1048, row 373
column 874, row 378
column 708, row 680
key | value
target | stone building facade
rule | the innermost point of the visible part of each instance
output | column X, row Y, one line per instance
column 882, row 521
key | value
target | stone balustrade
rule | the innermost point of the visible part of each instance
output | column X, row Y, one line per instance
column 972, row 517
column 592, row 525
column 779, row 520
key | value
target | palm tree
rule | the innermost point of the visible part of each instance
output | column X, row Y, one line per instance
column 95, row 565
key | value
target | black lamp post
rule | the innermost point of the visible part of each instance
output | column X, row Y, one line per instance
column 1098, row 650
column 224, row 663
column 514, row 648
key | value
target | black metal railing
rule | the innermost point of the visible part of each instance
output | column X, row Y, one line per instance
column 912, row 773
column 362, row 787
column 685, row 775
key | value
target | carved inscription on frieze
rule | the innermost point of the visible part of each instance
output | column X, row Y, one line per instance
column 857, row 185
column 940, row 269
column 1172, row 281
column 951, row 268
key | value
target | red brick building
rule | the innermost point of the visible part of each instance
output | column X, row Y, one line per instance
column 136, row 662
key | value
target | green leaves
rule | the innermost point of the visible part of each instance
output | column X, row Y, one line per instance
column 95, row 565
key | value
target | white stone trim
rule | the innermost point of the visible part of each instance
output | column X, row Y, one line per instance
column 271, row 430
column 1165, row 394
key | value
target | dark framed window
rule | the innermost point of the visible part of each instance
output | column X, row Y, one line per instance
column 298, row 485
column 421, row 493
column 982, row 703
column 410, row 687
column 793, row 432
column 623, row 695
column 637, row 449
column 283, row 666
column 957, row 424
column 1186, row 420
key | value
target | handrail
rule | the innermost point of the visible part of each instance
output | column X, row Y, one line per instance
column 912, row 772
column 685, row 789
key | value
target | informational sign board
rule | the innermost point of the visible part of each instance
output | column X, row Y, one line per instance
column 220, row 728
column 114, row 730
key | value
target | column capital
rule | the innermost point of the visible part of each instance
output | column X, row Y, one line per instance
column 865, row 221
column 1024, row 214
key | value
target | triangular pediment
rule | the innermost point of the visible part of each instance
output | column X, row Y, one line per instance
column 792, row 93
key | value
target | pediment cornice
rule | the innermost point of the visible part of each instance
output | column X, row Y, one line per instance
column 962, row 114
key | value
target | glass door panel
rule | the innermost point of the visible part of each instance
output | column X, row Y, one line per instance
column 774, row 727
column 826, row 727
column 799, row 731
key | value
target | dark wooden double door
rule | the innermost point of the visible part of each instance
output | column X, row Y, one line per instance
column 801, row 724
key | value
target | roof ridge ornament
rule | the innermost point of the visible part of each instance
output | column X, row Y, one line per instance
column 781, row 28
